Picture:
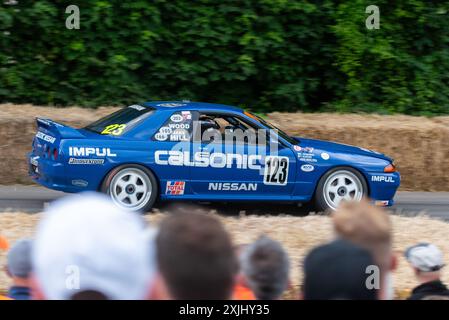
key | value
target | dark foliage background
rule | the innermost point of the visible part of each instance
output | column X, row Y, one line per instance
column 267, row 55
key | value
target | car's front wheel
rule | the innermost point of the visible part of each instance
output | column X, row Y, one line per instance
column 337, row 185
column 131, row 187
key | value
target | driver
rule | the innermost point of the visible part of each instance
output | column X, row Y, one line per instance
column 209, row 128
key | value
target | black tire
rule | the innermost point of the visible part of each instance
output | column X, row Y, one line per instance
column 147, row 198
column 321, row 204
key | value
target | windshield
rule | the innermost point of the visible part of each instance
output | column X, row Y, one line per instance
column 120, row 121
column 273, row 127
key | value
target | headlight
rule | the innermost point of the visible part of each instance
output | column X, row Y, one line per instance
column 390, row 168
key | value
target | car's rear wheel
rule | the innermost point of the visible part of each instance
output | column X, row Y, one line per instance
column 132, row 187
column 337, row 185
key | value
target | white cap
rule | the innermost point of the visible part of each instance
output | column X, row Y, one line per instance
column 425, row 257
column 84, row 242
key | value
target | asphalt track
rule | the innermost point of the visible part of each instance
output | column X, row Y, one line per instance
column 32, row 199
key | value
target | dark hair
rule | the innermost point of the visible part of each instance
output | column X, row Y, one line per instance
column 196, row 257
column 265, row 265
column 338, row 271
column 88, row 295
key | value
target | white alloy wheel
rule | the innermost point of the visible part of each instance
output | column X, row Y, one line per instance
column 342, row 185
column 131, row 188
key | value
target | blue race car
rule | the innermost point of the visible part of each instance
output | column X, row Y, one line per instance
column 172, row 150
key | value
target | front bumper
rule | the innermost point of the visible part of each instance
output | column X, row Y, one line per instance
column 383, row 203
column 383, row 187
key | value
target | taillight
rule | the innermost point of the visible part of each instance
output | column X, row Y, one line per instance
column 55, row 154
column 47, row 151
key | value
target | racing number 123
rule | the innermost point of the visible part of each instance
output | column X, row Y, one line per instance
column 114, row 129
column 276, row 170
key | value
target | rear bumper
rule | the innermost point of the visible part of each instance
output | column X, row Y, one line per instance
column 49, row 173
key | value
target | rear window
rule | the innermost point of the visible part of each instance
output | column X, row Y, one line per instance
column 121, row 121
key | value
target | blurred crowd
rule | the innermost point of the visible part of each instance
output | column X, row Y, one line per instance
column 86, row 248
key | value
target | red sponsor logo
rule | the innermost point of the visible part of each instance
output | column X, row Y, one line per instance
column 175, row 187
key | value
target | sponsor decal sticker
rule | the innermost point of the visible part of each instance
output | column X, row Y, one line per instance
column 306, row 158
column 80, row 183
column 90, row 151
column 115, row 129
column 171, row 105
column 179, row 126
column 176, row 118
column 175, row 187
column 186, row 115
column 307, row 155
column 276, row 171
column 45, row 137
column 307, row 149
column 387, row 179
column 325, row 156
column 160, row 136
column 207, row 159
column 307, row 168
column 85, row 161
column 179, row 135
column 303, row 149
column 165, row 130
column 228, row 186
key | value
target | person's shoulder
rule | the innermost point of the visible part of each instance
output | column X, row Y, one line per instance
column 19, row 293
column 420, row 291
column 415, row 296
column 432, row 288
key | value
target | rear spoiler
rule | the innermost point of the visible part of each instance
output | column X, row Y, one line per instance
column 59, row 129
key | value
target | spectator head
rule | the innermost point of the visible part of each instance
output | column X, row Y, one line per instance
column 426, row 260
column 369, row 227
column 338, row 271
column 265, row 266
column 18, row 264
column 88, row 248
column 196, row 257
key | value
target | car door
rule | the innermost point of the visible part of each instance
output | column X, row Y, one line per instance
column 237, row 168
column 171, row 156
column 279, row 176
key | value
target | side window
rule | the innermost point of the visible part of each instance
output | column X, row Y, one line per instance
column 178, row 127
column 225, row 128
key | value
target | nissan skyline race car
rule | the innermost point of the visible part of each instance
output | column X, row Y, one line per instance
column 171, row 150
